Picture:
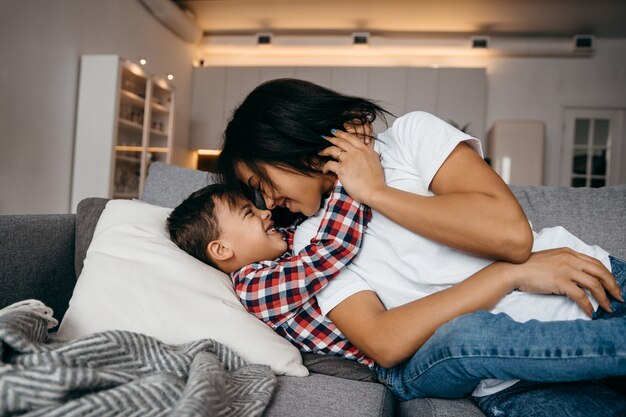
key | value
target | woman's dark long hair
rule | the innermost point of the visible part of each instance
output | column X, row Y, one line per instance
column 281, row 123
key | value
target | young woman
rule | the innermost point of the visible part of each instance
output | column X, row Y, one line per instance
column 436, row 204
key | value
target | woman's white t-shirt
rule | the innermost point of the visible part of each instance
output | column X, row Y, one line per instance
column 402, row 266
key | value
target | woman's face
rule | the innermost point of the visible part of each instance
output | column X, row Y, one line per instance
column 297, row 192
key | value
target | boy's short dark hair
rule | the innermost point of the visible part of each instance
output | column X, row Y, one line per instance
column 193, row 224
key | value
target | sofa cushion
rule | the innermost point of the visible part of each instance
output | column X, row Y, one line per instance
column 136, row 279
column 434, row 407
column 168, row 185
column 595, row 215
column 322, row 395
column 339, row 367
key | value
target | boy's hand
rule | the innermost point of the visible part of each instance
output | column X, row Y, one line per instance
column 567, row 272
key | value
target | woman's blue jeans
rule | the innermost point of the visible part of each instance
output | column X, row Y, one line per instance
column 482, row 345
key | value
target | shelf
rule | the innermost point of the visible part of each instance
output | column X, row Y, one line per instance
column 113, row 154
column 130, row 125
column 158, row 132
column 126, row 196
column 124, row 148
column 131, row 160
column 158, row 149
column 159, row 108
column 132, row 97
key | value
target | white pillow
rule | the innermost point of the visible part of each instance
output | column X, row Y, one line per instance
column 135, row 278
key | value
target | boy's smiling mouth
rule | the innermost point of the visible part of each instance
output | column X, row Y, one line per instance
column 270, row 229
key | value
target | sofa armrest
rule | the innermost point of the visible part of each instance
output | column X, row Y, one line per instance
column 87, row 215
column 37, row 260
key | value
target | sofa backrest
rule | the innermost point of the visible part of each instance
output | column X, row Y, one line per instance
column 169, row 185
column 595, row 215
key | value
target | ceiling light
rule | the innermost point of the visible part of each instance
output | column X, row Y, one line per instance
column 143, row 61
column 480, row 42
column 170, row 77
column 360, row 38
column 264, row 38
column 583, row 42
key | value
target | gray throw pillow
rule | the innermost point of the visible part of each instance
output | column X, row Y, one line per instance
column 168, row 185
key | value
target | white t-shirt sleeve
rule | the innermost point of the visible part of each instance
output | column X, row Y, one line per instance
column 345, row 285
column 425, row 142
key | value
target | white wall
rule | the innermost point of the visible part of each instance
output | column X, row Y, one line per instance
column 40, row 47
column 540, row 88
column 41, row 42
column 219, row 90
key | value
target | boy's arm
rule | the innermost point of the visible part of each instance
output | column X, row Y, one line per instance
column 288, row 234
column 271, row 289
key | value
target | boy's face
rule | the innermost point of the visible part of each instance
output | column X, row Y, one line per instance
column 250, row 233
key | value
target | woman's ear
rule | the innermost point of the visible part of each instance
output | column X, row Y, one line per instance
column 219, row 250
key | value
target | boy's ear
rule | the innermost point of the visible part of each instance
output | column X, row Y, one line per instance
column 220, row 250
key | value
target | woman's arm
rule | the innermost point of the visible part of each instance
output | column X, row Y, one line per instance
column 473, row 209
column 391, row 336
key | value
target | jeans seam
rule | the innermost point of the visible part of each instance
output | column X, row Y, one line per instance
column 502, row 357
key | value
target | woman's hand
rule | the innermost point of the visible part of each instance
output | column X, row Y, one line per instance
column 356, row 164
column 567, row 272
column 361, row 130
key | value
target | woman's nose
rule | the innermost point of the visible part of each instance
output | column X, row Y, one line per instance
column 266, row 214
column 269, row 202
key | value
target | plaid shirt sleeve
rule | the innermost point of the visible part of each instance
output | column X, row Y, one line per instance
column 274, row 290
column 288, row 234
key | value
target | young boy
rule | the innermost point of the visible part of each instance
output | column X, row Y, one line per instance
column 227, row 231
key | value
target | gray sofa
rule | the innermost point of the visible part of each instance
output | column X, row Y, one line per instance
column 42, row 257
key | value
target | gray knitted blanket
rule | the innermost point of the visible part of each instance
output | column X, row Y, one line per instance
column 118, row 373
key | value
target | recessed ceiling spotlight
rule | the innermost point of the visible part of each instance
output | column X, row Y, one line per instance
column 583, row 42
column 265, row 38
column 360, row 38
column 143, row 61
column 480, row 42
column 170, row 77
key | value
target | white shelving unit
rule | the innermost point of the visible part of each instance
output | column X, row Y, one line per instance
column 125, row 121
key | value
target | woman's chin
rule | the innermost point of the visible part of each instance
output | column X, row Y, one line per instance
column 308, row 212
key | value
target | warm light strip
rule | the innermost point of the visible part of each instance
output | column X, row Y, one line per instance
column 211, row 152
column 128, row 148
column 216, row 47
column 351, row 51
